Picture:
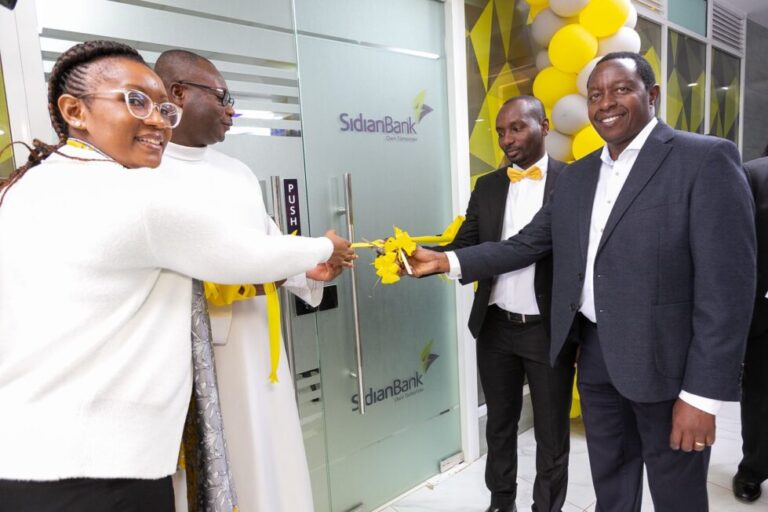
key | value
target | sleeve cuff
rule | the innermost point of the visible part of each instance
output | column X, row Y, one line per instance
column 308, row 290
column 455, row 267
column 705, row 404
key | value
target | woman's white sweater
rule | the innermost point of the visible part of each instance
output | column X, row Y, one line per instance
column 95, row 289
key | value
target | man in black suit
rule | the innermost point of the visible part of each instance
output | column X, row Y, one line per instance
column 653, row 240
column 753, row 469
column 510, row 315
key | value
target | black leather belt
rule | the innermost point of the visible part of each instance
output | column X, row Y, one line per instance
column 515, row 318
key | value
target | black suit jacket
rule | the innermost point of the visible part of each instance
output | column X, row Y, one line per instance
column 674, row 274
column 484, row 222
column 758, row 178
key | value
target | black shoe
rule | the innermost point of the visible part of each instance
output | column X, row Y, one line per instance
column 744, row 489
column 492, row 508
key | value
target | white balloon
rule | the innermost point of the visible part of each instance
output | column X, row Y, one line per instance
column 542, row 60
column 632, row 18
column 624, row 40
column 544, row 26
column 570, row 114
column 583, row 76
column 559, row 146
column 567, row 8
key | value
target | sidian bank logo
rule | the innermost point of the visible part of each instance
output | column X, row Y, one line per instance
column 420, row 109
column 400, row 387
column 392, row 127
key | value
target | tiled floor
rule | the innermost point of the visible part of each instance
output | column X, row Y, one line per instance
column 465, row 490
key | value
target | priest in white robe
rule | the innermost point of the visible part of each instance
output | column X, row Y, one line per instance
column 260, row 417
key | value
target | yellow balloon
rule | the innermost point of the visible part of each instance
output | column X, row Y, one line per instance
column 571, row 48
column 537, row 3
column 586, row 141
column 604, row 17
column 551, row 84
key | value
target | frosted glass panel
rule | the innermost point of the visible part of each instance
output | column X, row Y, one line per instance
column 360, row 115
column 403, row 24
column 691, row 14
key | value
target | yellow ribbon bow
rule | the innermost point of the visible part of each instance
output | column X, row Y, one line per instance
column 534, row 173
column 395, row 248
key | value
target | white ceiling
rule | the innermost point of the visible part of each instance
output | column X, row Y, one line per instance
column 757, row 10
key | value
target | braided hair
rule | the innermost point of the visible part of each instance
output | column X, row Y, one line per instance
column 70, row 75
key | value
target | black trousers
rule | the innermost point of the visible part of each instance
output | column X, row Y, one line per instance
column 87, row 495
column 754, row 410
column 622, row 435
column 506, row 354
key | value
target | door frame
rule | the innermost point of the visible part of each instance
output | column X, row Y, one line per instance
column 456, row 66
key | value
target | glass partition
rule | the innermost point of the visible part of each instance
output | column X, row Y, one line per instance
column 725, row 89
column 686, row 79
column 501, row 59
column 650, row 45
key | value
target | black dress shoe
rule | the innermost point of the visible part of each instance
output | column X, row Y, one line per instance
column 513, row 508
column 744, row 489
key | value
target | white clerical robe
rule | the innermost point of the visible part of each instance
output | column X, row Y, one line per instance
column 261, row 420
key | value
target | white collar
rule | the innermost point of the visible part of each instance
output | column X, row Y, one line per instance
column 188, row 153
column 636, row 145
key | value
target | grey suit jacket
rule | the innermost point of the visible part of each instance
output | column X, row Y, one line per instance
column 675, row 268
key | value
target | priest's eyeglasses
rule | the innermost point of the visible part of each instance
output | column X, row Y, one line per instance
column 223, row 95
column 141, row 106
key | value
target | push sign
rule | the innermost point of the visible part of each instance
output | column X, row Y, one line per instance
column 292, row 213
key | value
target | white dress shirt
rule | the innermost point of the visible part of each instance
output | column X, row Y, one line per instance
column 613, row 174
column 514, row 291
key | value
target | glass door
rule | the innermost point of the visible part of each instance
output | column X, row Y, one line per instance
column 374, row 105
column 323, row 89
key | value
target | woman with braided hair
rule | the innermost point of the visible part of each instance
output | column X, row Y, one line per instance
column 97, row 257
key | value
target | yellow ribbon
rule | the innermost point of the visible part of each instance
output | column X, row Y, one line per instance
column 447, row 237
column 226, row 294
column 515, row 175
column 397, row 247
column 78, row 144
column 273, row 320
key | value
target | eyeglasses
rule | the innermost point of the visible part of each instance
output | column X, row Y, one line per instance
column 223, row 95
column 141, row 106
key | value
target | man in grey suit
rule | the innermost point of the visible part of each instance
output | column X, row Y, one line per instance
column 654, row 273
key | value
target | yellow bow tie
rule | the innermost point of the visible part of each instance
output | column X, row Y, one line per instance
column 534, row 173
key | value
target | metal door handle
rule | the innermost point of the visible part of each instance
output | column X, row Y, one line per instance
column 358, row 374
column 285, row 310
